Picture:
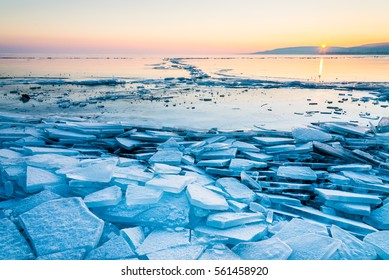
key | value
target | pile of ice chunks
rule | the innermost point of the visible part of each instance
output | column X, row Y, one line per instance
column 76, row 189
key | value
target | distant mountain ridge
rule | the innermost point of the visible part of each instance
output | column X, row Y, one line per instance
column 370, row 49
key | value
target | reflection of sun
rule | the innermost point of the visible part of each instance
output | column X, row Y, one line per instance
column 323, row 46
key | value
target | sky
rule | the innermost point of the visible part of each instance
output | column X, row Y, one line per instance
column 187, row 27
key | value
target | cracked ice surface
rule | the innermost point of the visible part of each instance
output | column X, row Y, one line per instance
column 87, row 190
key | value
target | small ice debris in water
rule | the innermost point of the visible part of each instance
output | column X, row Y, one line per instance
column 37, row 178
column 234, row 235
column 298, row 227
column 271, row 141
column 183, row 252
column 305, row 134
column 343, row 196
column 379, row 240
column 170, row 183
column 269, row 249
column 204, row 198
column 297, row 173
column 379, row 218
column 116, row 248
column 12, row 243
column 172, row 157
column 134, row 236
column 236, row 190
column 142, row 195
column 61, row 224
column 105, row 197
column 312, row 247
column 352, row 248
column 231, row 219
column 160, row 239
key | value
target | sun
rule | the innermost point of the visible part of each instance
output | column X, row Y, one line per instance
column 323, row 46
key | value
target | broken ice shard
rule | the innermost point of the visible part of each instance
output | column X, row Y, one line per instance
column 36, row 178
column 312, row 246
column 134, row 236
column 183, row 252
column 170, row 183
column 100, row 171
column 304, row 134
column 379, row 218
column 32, row 201
column 269, row 249
column 236, row 190
column 270, row 141
column 298, row 227
column 245, row 164
column 297, row 173
column 232, row 219
column 61, row 224
column 142, row 195
column 234, row 235
column 106, row 197
column 114, row 249
column 352, row 248
column 172, row 157
column 12, row 243
column 219, row 252
column 349, row 197
column 206, row 199
column 379, row 240
column 160, row 239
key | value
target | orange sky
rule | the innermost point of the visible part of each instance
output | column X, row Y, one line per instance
column 186, row 27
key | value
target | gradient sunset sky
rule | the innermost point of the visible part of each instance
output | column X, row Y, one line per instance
column 187, row 27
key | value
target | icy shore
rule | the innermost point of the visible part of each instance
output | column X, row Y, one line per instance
column 73, row 188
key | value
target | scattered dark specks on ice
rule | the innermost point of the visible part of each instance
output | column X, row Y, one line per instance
column 76, row 189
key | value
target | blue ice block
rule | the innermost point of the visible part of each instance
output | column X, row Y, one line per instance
column 379, row 240
column 183, row 252
column 297, row 227
column 224, row 220
column 116, row 248
column 105, row 197
column 236, row 190
column 269, row 249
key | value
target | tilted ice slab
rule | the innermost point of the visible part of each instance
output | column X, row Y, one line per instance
column 352, row 248
column 343, row 196
column 243, row 146
column 363, row 177
column 304, row 134
column 338, row 179
column 6, row 153
column 219, row 252
column 379, row 240
column 297, row 173
column 116, row 248
column 298, row 227
column 100, row 171
column 222, row 154
column 128, row 144
column 269, row 249
column 142, row 195
column 160, row 239
column 134, row 236
column 206, row 199
column 64, row 134
column 231, row 219
column 316, row 215
column 161, row 168
column 172, row 157
column 379, row 218
column 245, row 164
column 236, row 190
column 350, row 167
column 51, row 161
column 312, row 246
column 270, row 141
column 60, row 225
column 214, row 163
column 183, row 252
column 106, row 197
column 170, row 183
column 32, row 201
column 234, row 235
column 13, row 246
column 350, row 208
column 48, row 150
column 36, row 178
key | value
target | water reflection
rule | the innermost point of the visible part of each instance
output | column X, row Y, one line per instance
column 320, row 68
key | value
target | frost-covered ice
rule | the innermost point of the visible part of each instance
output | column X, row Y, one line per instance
column 113, row 190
